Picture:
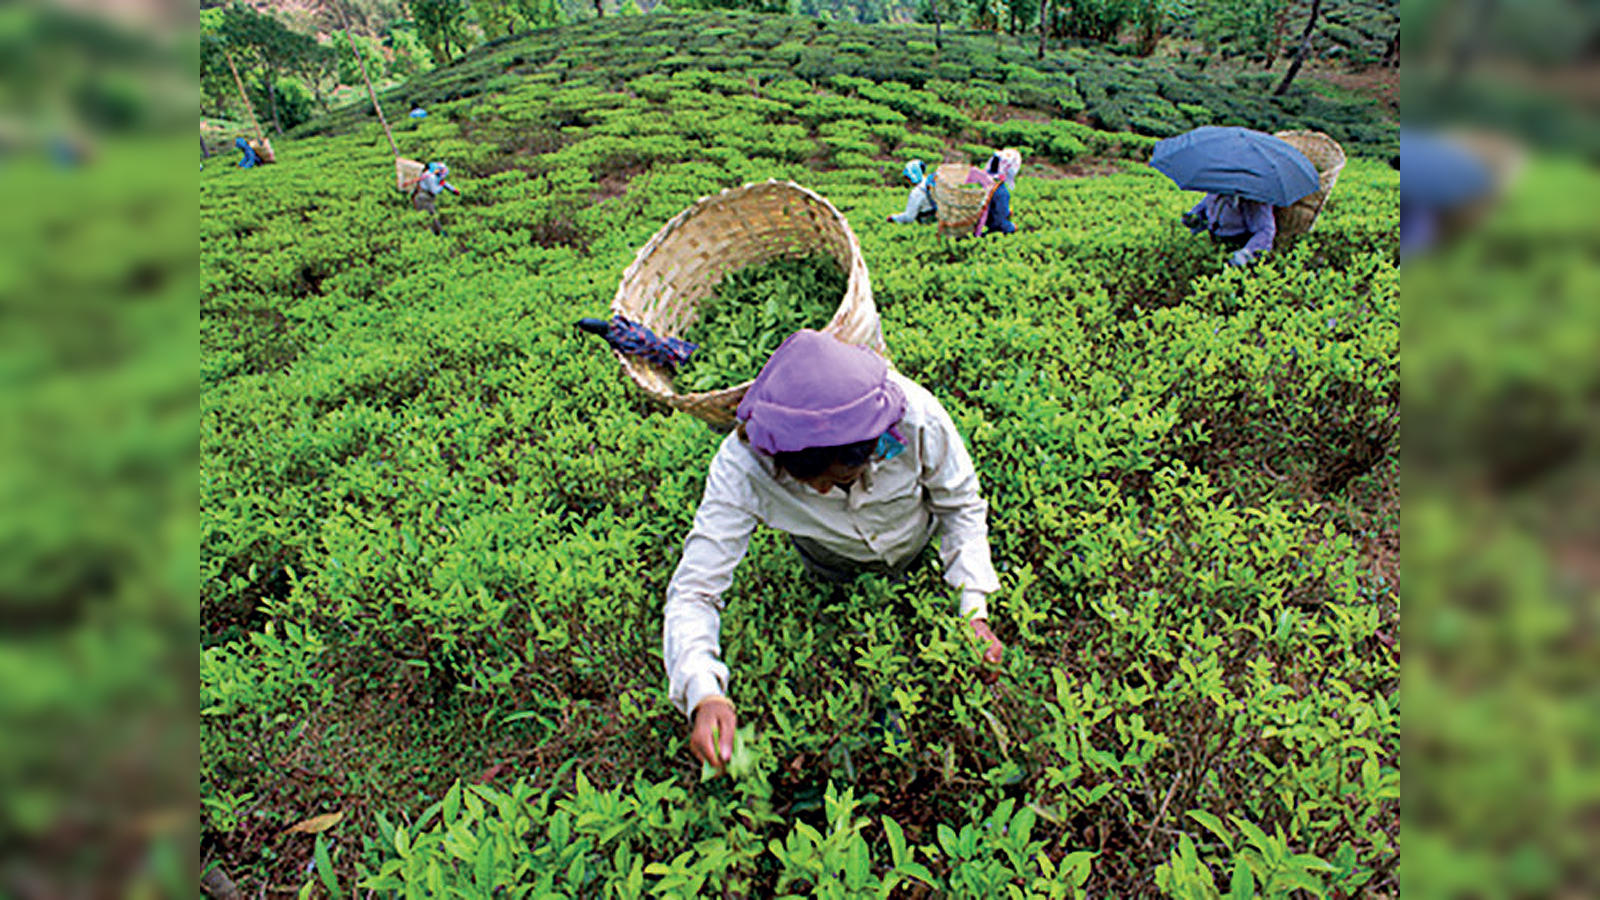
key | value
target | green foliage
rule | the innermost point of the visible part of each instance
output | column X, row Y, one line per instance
column 265, row 51
column 893, row 84
column 441, row 26
column 750, row 314
column 1247, row 27
column 349, row 68
column 1095, row 20
column 409, row 56
column 643, row 839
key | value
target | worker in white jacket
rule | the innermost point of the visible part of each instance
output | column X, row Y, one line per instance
column 862, row 468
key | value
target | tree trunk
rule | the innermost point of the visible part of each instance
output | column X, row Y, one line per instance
column 1044, row 25
column 205, row 152
column 1391, row 53
column 1150, row 29
column 599, row 9
column 272, row 100
column 1304, row 51
column 938, row 33
column 317, row 95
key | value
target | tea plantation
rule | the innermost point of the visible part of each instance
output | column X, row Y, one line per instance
column 438, row 526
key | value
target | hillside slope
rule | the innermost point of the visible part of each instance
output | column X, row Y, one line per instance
column 988, row 78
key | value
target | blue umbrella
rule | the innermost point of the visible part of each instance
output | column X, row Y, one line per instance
column 1227, row 160
column 1438, row 173
column 635, row 339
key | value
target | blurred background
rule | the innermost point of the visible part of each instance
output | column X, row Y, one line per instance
column 98, row 449
column 1501, row 517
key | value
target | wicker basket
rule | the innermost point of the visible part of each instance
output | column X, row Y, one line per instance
column 1324, row 153
column 739, row 227
column 405, row 170
column 960, row 205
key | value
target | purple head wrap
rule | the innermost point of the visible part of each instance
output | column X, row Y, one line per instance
column 817, row 391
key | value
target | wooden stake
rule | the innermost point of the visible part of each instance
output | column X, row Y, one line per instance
column 249, row 110
column 360, row 58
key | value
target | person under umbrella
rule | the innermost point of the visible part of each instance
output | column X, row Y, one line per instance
column 1247, row 227
column 1244, row 174
column 919, row 203
column 862, row 468
column 426, row 187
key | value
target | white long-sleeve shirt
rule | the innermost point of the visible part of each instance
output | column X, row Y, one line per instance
column 888, row 515
column 920, row 199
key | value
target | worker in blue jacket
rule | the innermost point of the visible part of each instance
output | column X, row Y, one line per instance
column 250, row 160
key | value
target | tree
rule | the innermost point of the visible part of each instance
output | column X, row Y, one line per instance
column 495, row 17
column 345, row 46
column 1097, row 20
column 1150, row 18
column 317, row 67
column 407, row 55
column 265, row 49
column 441, row 24
column 217, row 94
column 1304, row 51
column 1249, row 27
column 1044, row 19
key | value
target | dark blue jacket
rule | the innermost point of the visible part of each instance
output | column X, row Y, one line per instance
column 249, row 160
column 1000, row 211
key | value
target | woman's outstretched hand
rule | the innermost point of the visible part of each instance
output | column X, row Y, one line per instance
column 711, row 740
column 992, row 654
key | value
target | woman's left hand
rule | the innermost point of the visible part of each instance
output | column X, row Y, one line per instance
column 993, row 654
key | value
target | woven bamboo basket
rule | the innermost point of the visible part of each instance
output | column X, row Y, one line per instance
column 1328, row 157
column 264, row 150
column 960, row 205
column 405, row 170
column 739, row 227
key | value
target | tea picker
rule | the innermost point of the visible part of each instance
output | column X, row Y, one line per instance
column 919, row 203
column 248, row 158
column 423, row 182
column 1245, row 174
column 861, row 467
column 425, row 188
column 252, row 157
column 1002, row 170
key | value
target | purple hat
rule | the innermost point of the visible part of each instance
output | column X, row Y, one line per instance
column 818, row 391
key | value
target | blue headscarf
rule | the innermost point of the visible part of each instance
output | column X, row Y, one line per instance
column 914, row 172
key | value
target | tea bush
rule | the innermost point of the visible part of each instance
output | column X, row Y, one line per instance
column 437, row 526
column 967, row 79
